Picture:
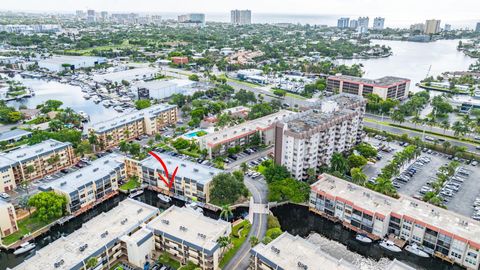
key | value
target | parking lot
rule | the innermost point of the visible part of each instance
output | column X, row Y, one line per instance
column 460, row 192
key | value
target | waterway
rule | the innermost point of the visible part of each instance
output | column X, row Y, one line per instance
column 70, row 95
column 8, row 259
column 298, row 220
column 412, row 60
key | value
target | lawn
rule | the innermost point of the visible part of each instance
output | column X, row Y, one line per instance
column 194, row 154
column 236, row 242
column 166, row 260
column 131, row 184
column 88, row 51
column 25, row 226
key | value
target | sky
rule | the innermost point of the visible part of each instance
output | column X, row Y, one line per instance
column 397, row 11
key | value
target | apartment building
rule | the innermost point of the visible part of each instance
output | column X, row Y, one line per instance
column 191, row 181
column 187, row 235
column 343, row 22
column 241, row 17
column 133, row 125
column 8, row 219
column 378, row 23
column 218, row 142
column 293, row 252
column 307, row 140
column 33, row 162
column 385, row 87
column 90, row 185
column 432, row 27
column 105, row 237
column 440, row 232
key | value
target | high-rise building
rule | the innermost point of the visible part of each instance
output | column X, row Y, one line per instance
column 448, row 27
column 363, row 22
column 307, row 140
column 241, row 17
column 80, row 14
column 417, row 27
column 385, row 87
column 104, row 15
column 343, row 22
column 432, row 26
column 192, row 18
column 353, row 24
column 91, row 15
column 477, row 29
column 378, row 23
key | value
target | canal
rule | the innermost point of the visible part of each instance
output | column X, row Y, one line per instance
column 8, row 259
column 298, row 220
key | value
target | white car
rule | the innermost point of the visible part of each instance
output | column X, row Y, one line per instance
column 4, row 195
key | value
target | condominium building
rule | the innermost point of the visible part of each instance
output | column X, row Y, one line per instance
column 241, row 17
column 191, row 181
column 343, row 22
column 107, row 238
column 189, row 236
column 90, row 185
column 385, row 87
column 8, row 219
column 378, row 23
column 307, row 140
column 477, row 28
column 133, row 125
column 432, row 26
column 33, row 162
column 192, row 18
column 353, row 24
column 293, row 252
column 218, row 142
column 440, row 232
column 363, row 22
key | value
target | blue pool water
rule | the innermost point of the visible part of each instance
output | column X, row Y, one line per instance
column 191, row 134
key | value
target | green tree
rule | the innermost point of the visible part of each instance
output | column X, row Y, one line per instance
column 142, row 104
column 356, row 161
column 227, row 188
column 48, row 205
column 366, row 150
column 223, row 242
column 91, row 263
column 358, row 177
column 226, row 212
column 194, row 77
column 253, row 241
column 275, row 173
column 338, row 163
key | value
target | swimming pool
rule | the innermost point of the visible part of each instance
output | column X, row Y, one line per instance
column 195, row 134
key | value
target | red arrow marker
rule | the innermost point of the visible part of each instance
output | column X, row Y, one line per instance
column 168, row 183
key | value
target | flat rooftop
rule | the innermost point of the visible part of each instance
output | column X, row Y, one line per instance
column 451, row 222
column 121, row 220
column 380, row 82
column 128, row 75
column 28, row 152
column 232, row 133
column 345, row 100
column 124, row 119
column 70, row 59
column 200, row 173
column 292, row 252
column 97, row 170
column 165, row 84
column 188, row 225
column 311, row 119
column 13, row 134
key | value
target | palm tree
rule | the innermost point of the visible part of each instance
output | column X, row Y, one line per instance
column 446, row 145
column 458, row 128
column 338, row 163
column 226, row 212
column 223, row 242
column 445, row 125
column 358, row 177
column 253, row 241
column 244, row 167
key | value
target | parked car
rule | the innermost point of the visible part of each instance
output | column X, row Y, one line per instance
column 4, row 195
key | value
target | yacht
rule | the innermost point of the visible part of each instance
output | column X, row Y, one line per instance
column 416, row 250
column 84, row 115
column 363, row 238
column 25, row 247
column 96, row 99
column 86, row 96
column 119, row 108
column 389, row 245
column 107, row 103
column 135, row 194
column 164, row 198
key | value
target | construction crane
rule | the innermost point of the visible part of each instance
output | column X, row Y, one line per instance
column 428, row 72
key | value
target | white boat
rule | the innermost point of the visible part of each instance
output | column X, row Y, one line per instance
column 25, row 247
column 86, row 96
column 96, row 99
column 194, row 206
column 363, row 238
column 389, row 245
column 107, row 103
column 164, row 198
column 119, row 108
column 414, row 249
column 135, row 194
column 83, row 114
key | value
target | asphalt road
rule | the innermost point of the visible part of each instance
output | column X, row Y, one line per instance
column 259, row 189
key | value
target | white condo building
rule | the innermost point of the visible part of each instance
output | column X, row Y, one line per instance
column 241, row 17
column 309, row 139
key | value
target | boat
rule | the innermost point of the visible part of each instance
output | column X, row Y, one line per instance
column 389, row 245
column 83, row 114
column 164, row 198
column 119, row 108
column 416, row 250
column 86, row 96
column 96, row 99
column 107, row 103
column 25, row 247
column 195, row 207
column 135, row 194
column 363, row 238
